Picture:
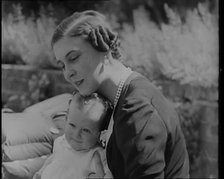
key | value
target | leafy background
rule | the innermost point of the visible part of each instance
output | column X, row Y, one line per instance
column 179, row 43
column 166, row 40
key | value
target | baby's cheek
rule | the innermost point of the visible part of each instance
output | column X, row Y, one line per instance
column 92, row 140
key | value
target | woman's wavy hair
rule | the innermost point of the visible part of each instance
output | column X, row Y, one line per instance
column 92, row 26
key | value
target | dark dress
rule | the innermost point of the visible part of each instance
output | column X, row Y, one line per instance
column 147, row 141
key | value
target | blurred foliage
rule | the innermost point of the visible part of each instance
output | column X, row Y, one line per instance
column 61, row 8
column 190, row 122
column 169, row 39
column 183, row 51
column 38, row 90
column 29, row 37
column 123, row 9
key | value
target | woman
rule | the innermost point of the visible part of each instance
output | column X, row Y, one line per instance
column 146, row 139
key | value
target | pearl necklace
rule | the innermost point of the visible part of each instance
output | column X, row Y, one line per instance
column 118, row 94
column 120, row 87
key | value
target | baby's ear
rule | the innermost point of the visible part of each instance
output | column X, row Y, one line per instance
column 56, row 117
column 69, row 102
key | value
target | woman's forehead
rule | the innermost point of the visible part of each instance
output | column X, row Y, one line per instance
column 63, row 46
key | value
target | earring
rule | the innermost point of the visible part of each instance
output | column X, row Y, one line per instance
column 106, row 60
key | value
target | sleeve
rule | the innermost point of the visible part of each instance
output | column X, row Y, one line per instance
column 143, row 146
column 57, row 144
column 107, row 171
column 46, row 163
column 96, row 166
column 50, row 158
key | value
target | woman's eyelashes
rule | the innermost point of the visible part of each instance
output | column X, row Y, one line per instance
column 61, row 64
column 74, row 58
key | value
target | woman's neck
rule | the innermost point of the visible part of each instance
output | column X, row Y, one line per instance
column 114, row 73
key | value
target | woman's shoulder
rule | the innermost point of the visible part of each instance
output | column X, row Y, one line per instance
column 142, row 94
column 138, row 85
column 139, row 92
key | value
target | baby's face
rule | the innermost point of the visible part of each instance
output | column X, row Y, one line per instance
column 82, row 127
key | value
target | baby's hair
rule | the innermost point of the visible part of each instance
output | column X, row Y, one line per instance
column 93, row 26
column 89, row 103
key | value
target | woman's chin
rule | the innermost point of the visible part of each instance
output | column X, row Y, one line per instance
column 85, row 92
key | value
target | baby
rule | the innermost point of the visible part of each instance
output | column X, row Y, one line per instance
column 77, row 154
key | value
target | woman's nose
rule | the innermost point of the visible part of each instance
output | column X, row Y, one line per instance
column 69, row 72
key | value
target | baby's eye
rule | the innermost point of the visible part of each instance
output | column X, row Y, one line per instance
column 86, row 130
column 73, row 125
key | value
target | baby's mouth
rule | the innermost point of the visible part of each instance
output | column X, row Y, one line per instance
column 77, row 141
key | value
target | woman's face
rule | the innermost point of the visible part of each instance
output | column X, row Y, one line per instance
column 80, row 63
